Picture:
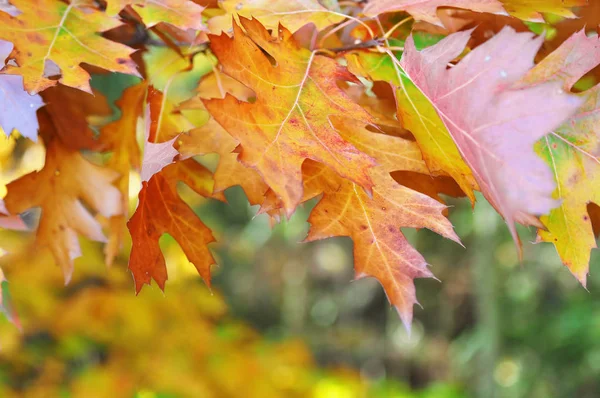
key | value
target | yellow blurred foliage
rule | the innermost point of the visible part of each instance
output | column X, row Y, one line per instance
column 95, row 338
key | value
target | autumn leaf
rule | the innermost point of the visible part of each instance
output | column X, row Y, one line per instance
column 495, row 127
column 572, row 152
column 160, row 210
column 60, row 190
column 18, row 109
column 419, row 116
column 54, row 38
column 72, row 112
column 425, row 10
column 380, row 249
column 120, row 138
column 212, row 138
column 183, row 14
column 291, row 119
column 165, row 122
column 156, row 156
column 271, row 13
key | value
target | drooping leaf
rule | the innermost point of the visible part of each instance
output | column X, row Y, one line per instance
column 17, row 108
column 161, row 210
column 72, row 112
column 52, row 37
column 184, row 14
column 495, row 127
column 418, row 115
column 380, row 249
column 120, row 138
column 572, row 151
column 291, row 119
column 212, row 138
column 425, row 10
column 291, row 14
column 59, row 189
column 156, row 157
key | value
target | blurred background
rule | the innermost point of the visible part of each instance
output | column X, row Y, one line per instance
column 285, row 319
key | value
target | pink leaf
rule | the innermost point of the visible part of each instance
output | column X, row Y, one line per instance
column 493, row 124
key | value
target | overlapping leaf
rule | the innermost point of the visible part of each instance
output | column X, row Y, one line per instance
column 184, row 14
column 120, row 138
column 291, row 14
column 17, row 108
column 572, row 151
column 380, row 249
column 161, row 210
column 54, row 38
column 72, row 112
column 418, row 115
column 296, row 100
column 212, row 138
column 60, row 189
column 494, row 126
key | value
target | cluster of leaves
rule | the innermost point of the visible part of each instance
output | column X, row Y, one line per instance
column 377, row 108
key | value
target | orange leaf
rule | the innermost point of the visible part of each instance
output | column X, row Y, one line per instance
column 70, row 111
column 161, row 210
column 212, row 138
column 120, row 138
column 291, row 120
column 380, row 249
column 59, row 188
column 54, row 38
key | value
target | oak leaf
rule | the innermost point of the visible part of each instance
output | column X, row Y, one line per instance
column 58, row 189
column 52, row 37
column 120, row 138
column 493, row 125
column 271, row 13
column 156, row 156
column 572, row 151
column 212, row 138
column 17, row 109
column 291, row 120
column 183, row 14
column 380, row 249
column 73, row 112
column 160, row 210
